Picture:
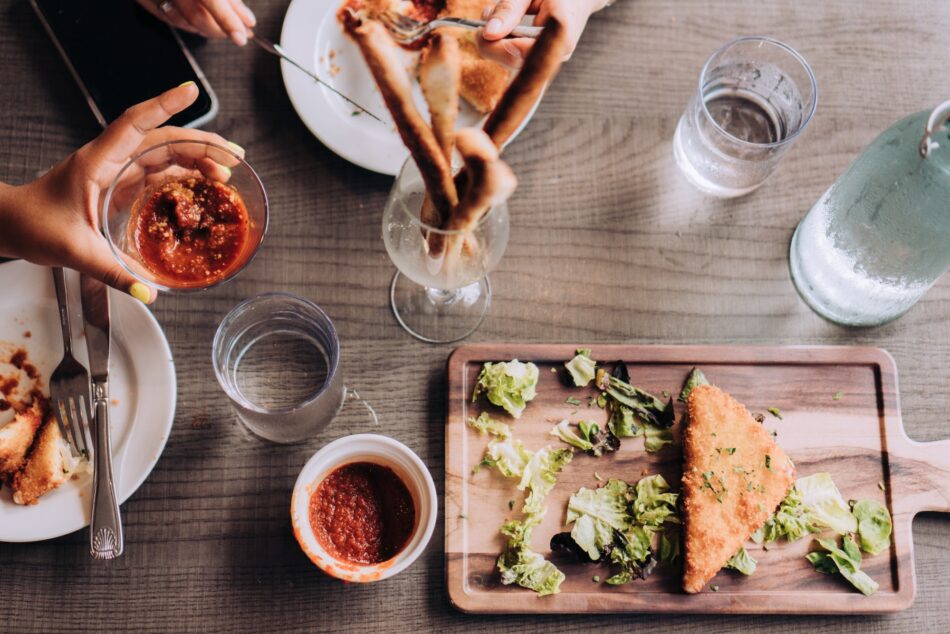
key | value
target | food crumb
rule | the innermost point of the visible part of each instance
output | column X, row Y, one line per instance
column 115, row 402
column 334, row 70
column 838, row 396
column 554, row 370
column 596, row 579
column 714, row 588
column 463, row 516
column 28, row 334
column 645, row 472
column 332, row 53
column 881, row 486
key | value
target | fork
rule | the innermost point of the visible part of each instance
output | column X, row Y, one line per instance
column 70, row 388
column 406, row 30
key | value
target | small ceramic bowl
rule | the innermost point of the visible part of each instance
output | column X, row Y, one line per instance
column 383, row 451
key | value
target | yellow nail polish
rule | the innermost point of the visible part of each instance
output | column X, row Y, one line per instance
column 236, row 146
column 187, row 83
column 140, row 292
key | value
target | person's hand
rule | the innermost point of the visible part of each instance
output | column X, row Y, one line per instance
column 54, row 220
column 507, row 14
column 210, row 18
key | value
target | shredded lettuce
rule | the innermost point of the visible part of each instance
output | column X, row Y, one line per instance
column 634, row 554
column 508, row 456
column 654, row 505
column 509, row 385
column 742, row 561
column 485, row 424
column 824, row 505
column 790, row 521
column 596, row 513
column 845, row 560
column 622, row 423
column 519, row 564
column 656, row 438
column 581, row 368
column 874, row 525
column 540, row 475
column 588, row 438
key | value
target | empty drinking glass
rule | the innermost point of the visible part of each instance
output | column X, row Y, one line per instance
column 440, row 292
column 277, row 356
column 755, row 97
column 880, row 236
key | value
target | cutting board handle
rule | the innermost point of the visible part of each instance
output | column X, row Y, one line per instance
column 921, row 475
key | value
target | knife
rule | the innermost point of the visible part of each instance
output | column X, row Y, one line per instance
column 277, row 49
column 105, row 529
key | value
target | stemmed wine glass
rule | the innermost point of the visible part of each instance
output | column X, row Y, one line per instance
column 440, row 292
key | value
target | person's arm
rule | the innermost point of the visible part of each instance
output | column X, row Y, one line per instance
column 495, row 44
column 54, row 220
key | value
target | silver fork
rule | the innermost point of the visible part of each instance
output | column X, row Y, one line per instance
column 70, row 388
column 406, row 30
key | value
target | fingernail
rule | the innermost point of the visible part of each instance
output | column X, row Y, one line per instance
column 513, row 50
column 493, row 27
column 140, row 292
column 187, row 83
column 236, row 147
column 249, row 15
column 239, row 37
column 486, row 12
column 228, row 170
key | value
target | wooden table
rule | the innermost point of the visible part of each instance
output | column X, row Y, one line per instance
column 609, row 244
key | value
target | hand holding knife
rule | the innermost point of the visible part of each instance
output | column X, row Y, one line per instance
column 105, row 529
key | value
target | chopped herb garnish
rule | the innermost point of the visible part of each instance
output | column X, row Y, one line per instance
column 666, row 393
column 726, row 450
column 596, row 579
column 707, row 484
column 355, row 113
column 768, row 462
column 714, row 588
column 748, row 486
column 511, row 505
column 776, row 412
column 570, row 400
column 463, row 516
column 838, row 396
column 880, row 485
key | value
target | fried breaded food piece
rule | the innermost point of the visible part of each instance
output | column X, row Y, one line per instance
column 16, row 438
column 48, row 466
column 483, row 81
column 734, row 477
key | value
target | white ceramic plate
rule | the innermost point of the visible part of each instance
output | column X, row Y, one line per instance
column 313, row 37
column 141, row 385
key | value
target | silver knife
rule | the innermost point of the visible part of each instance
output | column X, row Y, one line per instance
column 105, row 529
column 277, row 49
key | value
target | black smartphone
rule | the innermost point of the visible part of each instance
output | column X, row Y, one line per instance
column 121, row 55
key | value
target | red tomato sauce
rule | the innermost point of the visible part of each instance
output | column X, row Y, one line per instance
column 362, row 513
column 190, row 231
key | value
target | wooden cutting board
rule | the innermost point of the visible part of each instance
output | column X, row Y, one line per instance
column 858, row 438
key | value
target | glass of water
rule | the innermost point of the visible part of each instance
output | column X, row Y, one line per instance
column 756, row 96
column 277, row 356
column 440, row 292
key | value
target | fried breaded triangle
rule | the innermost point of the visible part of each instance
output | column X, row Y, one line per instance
column 734, row 476
column 440, row 71
column 483, row 81
column 16, row 438
column 381, row 55
column 540, row 67
column 48, row 466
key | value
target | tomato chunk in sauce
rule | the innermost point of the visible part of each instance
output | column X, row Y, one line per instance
column 362, row 513
column 190, row 231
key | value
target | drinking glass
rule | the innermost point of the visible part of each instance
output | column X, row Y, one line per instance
column 440, row 292
column 175, row 160
column 756, row 96
column 880, row 236
column 277, row 356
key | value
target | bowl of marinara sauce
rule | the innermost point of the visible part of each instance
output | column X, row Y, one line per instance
column 364, row 508
column 185, row 215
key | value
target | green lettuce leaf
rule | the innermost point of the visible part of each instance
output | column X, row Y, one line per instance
column 874, row 525
column 508, row 456
column 622, row 423
column 790, row 521
column 596, row 513
column 540, row 475
column 656, row 438
column 519, row 564
column 485, row 424
column 654, row 505
column 581, row 368
column 563, row 431
column 845, row 560
column 742, row 561
column 694, row 378
column 509, row 385
column 670, row 545
column 824, row 505
column 632, row 552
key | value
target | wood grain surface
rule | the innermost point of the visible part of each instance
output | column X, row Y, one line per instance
column 857, row 437
column 609, row 244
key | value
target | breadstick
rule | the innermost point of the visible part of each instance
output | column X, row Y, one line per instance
column 540, row 67
column 440, row 72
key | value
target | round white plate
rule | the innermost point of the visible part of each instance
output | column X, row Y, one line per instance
column 141, row 386
column 313, row 37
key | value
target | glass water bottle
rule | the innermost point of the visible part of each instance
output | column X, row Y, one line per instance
column 880, row 236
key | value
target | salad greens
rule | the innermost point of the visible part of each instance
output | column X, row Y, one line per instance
column 540, row 475
column 508, row 384
column 485, row 424
column 623, row 524
column 824, row 506
column 874, row 525
column 844, row 560
column 581, row 368
column 588, row 438
column 743, row 562
column 790, row 521
column 656, row 438
column 519, row 564
column 694, row 378
column 509, row 456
